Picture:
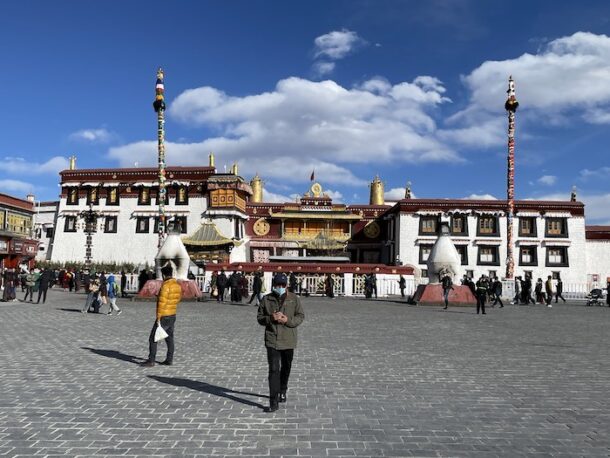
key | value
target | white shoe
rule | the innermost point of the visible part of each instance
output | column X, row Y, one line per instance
column 550, row 306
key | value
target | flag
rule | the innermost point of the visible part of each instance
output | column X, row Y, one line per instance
column 313, row 175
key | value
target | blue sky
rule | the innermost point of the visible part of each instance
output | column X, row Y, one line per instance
column 412, row 91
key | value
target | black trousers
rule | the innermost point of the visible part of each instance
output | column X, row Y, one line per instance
column 497, row 299
column 29, row 290
column 481, row 298
column 280, row 363
column 559, row 296
column 167, row 323
column 42, row 292
column 221, row 294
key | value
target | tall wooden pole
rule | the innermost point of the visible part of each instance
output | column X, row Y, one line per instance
column 511, row 106
column 159, row 106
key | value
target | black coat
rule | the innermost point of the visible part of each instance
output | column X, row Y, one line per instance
column 45, row 279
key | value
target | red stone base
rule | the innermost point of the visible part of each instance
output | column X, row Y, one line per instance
column 460, row 295
column 190, row 290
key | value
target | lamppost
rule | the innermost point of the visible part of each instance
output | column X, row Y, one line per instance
column 90, row 217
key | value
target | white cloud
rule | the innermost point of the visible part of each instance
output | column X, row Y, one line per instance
column 547, row 180
column 569, row 76
column 602, row 172
column 323, row 68
column 92, row 135
column 481, row 197
column 336, row 44
column 20, row 165
column 269, row 196
column 395, row 194
column 8, row 186
column 304, row 125
column 336, row 196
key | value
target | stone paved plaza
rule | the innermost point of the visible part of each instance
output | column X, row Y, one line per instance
column 370, row 378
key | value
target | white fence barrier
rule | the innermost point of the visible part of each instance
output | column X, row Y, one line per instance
column 387, row 285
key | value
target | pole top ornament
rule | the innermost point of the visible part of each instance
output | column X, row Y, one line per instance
column 511, row 104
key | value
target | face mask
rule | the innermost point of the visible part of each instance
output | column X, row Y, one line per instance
column 280, row 291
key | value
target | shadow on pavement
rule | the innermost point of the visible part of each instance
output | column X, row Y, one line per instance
column 211, row 389
column 115, row 354
column 70, row 310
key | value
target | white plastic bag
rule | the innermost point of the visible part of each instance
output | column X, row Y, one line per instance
column 160, row 333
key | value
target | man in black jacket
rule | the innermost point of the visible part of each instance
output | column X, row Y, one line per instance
column 280, row 312
column 45, row 280
column 257, row 286
column 221, row 284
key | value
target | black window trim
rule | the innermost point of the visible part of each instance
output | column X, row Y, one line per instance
column 68, row 201
column 496, row 233
column 534, row 221
column 118, row 196
column 106, row 221
column 534, row 255
column 566, row 261
column 143, row 218
column 70, row 218
column 464, row 261
column 495, row 262
column 464, row 218
column 421, row 224
column 421, row 258
column 563, row 235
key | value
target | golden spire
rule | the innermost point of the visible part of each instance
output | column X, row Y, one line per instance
column 211, row 158
column 408, row 190
column 377, row 197
column 257, row 189
column 72, row 165
column 234, row 169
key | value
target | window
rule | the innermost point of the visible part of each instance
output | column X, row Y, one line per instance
column 555, row 275
column 181, row 220
column 112, row 196
column 557, row 256
column 428, row 225
column 144, row 197
column 556, row 227
column 424, row 252
column 470, row 273
column 110, row 224
column 528, row 274
column 459, row 225
column 528, row 256
column 142, row 224
column 93, row 197
column 463, row 252
column 424, row 273
column 72, row 196
column 488, row 255
column 159, row 197
column 527, row 227
column 488, row 225
column 70, row 225
column 493, row 274
column 49, row 232
column 182, row 196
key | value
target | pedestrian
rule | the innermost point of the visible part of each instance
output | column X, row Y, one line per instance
column 482, row 287
column 257, row 284
column 368, row 286
column 103, row 288
column 538, row 291
column 281, row 313
column 113, row 292
column 234, row 283
column 92, row 296
column 402, row 284
column 222, row 285
column 374, row 284
column 559, row 290
column 70, row 280
column 11, row 279
column 517, row 298
column 329, row 286
column 43, row 287
column 30, row 281
column 473, row 288
column 548, row 286
column 167, row 303
column 123, row 283
column 608, row 293
column 142, row 279
column 447, row 285
column 497, row 289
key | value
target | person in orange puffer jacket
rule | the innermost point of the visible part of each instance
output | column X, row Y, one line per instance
column 169, row 298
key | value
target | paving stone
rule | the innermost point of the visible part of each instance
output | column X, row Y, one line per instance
column 370, row 378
